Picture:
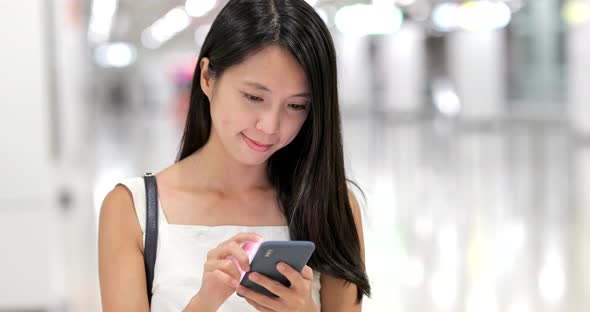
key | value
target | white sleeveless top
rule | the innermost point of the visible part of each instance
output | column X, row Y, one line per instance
column 182, row 252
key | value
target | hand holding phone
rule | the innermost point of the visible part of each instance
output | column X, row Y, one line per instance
column 269, row 254
column 221, row 275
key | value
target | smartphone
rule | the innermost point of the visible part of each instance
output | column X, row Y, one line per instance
column 269, row 254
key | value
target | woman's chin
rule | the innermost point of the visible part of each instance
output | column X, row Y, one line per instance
column 254, row 162
column 248, row 159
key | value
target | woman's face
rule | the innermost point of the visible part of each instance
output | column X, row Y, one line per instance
column 259, row 105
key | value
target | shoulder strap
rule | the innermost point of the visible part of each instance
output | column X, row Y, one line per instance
column 151, row 230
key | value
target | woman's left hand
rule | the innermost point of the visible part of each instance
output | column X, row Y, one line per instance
column 296, row 298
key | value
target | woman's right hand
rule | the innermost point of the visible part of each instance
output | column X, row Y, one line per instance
column 221, row 276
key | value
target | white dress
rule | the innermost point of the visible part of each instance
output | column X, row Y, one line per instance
column 182, row 252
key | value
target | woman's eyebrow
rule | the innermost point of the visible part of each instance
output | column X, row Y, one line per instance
column 262, row 87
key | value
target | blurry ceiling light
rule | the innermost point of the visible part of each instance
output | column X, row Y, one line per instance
column 369, row 19
column 99, row 29
column 445, row 16
column 405, row 2
column 576, row 12
column 104, row 7
column 118, row 54
column 175, row 21
column 471, row 16
column 447, row 102
column 484, row 15
column 201, row 34
column 198, row 8
column 445, row 98
column 101, row 20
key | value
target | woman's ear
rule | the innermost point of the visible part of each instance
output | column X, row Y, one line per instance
column 205, row 79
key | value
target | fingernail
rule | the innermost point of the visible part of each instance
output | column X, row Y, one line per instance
column 280, row 266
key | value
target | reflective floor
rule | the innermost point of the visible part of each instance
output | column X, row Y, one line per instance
column 475, row 217
column 458, row 216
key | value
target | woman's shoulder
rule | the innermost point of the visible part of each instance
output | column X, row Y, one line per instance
column 120, row 253
column 119, row 197
column 118, row 219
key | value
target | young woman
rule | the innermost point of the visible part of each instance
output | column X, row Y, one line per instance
column 261, row 159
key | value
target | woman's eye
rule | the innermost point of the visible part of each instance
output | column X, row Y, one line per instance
column 252, row 98
column 298, row 106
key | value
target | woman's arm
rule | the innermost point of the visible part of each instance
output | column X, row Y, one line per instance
column 335, row 294
column 120, row 255
column 121, row 266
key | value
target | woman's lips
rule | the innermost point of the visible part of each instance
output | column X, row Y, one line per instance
column 255, row 145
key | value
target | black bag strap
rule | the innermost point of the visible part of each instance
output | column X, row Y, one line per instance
column 151, row 230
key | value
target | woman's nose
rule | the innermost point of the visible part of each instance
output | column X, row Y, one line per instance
column 269, row 122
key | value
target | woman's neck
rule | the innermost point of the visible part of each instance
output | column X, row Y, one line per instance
column 219, row 171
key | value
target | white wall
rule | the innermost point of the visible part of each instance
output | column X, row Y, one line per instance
column 28, row 221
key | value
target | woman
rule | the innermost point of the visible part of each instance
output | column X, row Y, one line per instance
column 260, row 159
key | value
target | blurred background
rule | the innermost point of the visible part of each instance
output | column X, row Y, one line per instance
column 465, row 123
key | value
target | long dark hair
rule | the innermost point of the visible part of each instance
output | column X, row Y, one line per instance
column 308, row 174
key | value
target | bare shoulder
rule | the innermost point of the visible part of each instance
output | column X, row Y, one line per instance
column 118, row 196
column 354, row 205
column 120, row 258
column 117, row 216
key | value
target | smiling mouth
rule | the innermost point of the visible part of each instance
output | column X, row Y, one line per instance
column 255, row 145
column 261, row 144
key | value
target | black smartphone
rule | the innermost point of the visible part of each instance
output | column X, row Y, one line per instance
column 269, row 254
